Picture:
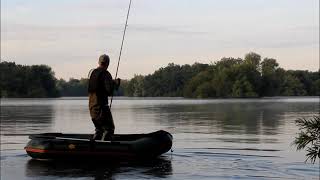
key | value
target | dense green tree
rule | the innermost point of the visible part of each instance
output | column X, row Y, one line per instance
column 252, row 76
column 270, row 80
column 199, row 86
column 225, row 73
column 73, row 87
column 253, row 59
column 221, row 82
column 269, row 66
column 46, row 79
column 291, row 86
column 228, row 77
column 306, row 78
column 243, row 88
column 170, row 81
column 135, row 86
column 315, row 90
column 123, row 89
column 27, row 81
column 228, row 63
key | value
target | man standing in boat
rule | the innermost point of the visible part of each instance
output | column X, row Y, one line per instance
column 101, row 85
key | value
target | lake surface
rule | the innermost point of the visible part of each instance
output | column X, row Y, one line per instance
column 213, row 139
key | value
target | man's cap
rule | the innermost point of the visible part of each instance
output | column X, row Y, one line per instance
column 104, row 59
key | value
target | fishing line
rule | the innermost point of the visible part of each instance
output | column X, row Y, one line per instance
column 120, row 53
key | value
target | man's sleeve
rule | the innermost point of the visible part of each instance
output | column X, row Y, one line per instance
column 108, row 83
column 90, row 72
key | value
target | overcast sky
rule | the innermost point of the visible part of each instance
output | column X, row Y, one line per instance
column 69, row 35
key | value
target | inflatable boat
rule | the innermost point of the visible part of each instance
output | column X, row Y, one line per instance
column 80, row 146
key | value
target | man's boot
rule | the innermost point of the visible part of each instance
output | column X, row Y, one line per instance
column 107, row 135
column 97, row 135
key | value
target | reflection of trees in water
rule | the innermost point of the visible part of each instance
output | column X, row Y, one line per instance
column 228, row 118
column 160, row 167
column 26, row 119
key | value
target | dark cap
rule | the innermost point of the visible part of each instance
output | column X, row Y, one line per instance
column 104, row 59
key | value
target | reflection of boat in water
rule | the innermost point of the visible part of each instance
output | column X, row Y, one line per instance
column 79, row 146
column 159, row 167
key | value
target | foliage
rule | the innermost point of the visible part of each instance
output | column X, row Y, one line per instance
column 270, row 77
column 229, row 77
column 135, row 86
column 243, row 88
column 309, row 137
column 73, row 87
column 292, row 86
column 198, row 84
column 27, row 81
column 253, row 59
column 76, row 88
column 168, row 81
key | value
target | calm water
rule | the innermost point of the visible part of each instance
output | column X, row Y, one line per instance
column 213, row 139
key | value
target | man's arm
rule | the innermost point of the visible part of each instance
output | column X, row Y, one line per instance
column 111, row 84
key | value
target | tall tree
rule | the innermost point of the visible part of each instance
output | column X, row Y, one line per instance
column 253, row 59
column 27, row 81
column 270, row 81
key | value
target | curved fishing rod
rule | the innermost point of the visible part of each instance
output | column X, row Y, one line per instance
column 120, row 53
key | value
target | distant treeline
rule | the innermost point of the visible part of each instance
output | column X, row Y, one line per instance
column 229, row 77
column 76, row 87
column 27, row 81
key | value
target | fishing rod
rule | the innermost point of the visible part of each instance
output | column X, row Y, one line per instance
column 120, row 53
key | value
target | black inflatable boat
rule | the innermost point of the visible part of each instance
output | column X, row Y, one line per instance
column 79, row 146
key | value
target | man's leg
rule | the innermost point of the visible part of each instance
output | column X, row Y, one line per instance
column 108, row 124
column 99, row 129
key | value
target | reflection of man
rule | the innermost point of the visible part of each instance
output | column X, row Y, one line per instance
column 100, row 87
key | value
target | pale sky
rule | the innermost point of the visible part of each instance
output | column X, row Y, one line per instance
column 70, row 35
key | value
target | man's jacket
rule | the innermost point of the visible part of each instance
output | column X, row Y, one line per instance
column 100, row 86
